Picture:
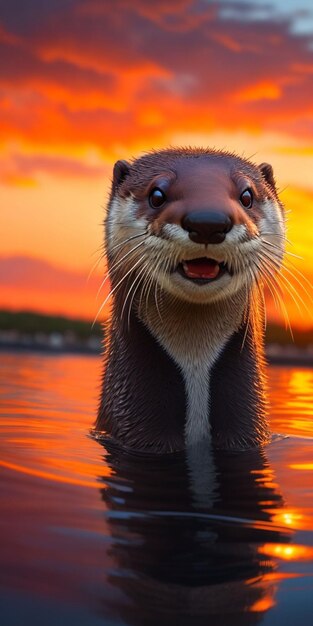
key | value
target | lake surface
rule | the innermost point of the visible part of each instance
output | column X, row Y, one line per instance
column 92, row 536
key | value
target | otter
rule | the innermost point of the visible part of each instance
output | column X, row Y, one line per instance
column 191, row 236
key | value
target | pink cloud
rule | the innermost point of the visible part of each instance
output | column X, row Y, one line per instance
column 35, row 284
column 20, row 167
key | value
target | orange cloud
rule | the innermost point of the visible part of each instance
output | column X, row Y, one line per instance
column 265, row 90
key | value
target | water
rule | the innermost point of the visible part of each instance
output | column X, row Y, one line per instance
column 92, row 536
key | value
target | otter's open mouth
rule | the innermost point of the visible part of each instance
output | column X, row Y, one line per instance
column 202, row 270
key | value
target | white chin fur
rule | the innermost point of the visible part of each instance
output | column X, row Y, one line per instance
column 186, row 290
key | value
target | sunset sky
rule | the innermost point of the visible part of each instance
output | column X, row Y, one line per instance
column 86, row 82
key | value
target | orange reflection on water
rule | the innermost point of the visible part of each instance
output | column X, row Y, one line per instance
column 300, row 380
column 290, row 518
column 291, row 400
column 264, row 604
column 302, row 466
column 47, row 476
column 47, row 418
column 266, row 478
column 268, row 586
column 300, row 518
column 289, row 552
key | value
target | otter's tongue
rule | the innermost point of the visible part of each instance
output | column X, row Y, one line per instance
column 201, row 268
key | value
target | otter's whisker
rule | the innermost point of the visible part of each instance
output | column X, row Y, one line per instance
column 165, row 269
column 302, row 276
column 273, row 288
column 273, row 245
column 120, row 259
column 291, row 273
column 287, row 285
column 101, row 247
column 149, row 292
column 133, row 284
column 149, row 283
column 141, row 276
column 290, row 289
column 260, row 288
column 247, row 321
column 114, row 289
column 260, row 291
column 280, row 236
column 117, row 264
column 149, row 287
column 284, row 278
column 125, row 241
column 253, row 303
column 144, row 290
column 156, row 286
column 95, row 266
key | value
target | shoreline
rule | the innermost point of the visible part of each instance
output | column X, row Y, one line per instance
column 282, row 357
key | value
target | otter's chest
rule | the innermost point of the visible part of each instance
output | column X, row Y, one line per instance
column 195, row 346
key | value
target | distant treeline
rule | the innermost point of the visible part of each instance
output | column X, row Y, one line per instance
column 281, row 335
column 31, row 323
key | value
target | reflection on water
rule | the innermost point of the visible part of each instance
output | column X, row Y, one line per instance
column 95, row 536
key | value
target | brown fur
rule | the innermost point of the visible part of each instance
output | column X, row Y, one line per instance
column 144, row 403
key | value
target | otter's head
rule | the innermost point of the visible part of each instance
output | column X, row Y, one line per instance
column 198, row 224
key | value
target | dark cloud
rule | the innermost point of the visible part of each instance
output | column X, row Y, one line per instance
column 109, row 73
column 21, row 16
column 20, row 64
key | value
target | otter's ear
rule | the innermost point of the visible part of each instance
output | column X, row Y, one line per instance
column 267, row 173
column 120, row 171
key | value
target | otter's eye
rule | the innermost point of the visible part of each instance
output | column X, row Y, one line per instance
column 157, row 197
column 246, row 198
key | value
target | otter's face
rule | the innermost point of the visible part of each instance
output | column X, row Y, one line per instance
column 199, row 225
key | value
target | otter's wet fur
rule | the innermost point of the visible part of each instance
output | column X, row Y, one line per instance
column 191, row 234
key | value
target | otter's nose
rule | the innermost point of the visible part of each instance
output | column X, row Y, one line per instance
column 207, row 226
